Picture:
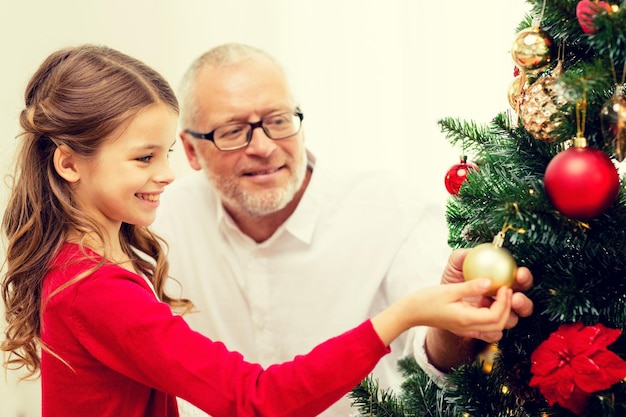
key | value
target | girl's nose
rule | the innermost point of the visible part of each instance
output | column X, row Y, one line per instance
column 166, row 174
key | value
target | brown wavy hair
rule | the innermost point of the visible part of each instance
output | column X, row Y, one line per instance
column 78, row 97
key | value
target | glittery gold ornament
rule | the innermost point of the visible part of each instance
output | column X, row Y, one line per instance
column 539, row 106
column 491, row 260
column 613, row 123
column 533, row 49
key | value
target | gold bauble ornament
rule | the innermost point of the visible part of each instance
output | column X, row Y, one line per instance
column 514, row 93
column 533, row 49
column 488, row 356
column 613, row 123
column 489, row 260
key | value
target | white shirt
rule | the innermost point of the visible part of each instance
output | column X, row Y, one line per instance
column 354, row 244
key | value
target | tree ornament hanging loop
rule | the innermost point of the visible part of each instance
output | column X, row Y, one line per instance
column 581, row 182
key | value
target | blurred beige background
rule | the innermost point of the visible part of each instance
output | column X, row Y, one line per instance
column 373, row 77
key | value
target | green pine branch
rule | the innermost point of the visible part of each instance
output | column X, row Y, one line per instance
column 370, row 400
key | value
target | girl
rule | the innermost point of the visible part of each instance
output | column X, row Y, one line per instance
column 84, row 285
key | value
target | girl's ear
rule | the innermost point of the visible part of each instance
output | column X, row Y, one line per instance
column 65, row 164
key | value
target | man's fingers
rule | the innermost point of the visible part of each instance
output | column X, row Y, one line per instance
column 523, row 279
column 522, row 305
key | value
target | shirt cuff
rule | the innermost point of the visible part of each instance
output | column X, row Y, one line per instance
column 419, row 352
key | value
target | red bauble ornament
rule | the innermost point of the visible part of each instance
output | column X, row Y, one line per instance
column 457, row 174
column 581, row 182
column 586, row 11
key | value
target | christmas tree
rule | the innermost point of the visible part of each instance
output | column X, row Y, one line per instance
column 544, row 185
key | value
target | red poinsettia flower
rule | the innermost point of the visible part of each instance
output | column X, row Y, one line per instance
column 574, row 362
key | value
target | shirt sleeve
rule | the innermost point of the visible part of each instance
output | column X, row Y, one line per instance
column 120, row 322
column 418, row 340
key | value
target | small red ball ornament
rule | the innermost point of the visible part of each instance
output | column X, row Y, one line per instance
column 457, row 174
column 581, row 182
column 586, row 12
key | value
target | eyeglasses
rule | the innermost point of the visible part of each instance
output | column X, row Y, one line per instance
column 238, row 135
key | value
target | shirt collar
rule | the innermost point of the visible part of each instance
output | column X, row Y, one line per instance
column 301, row 224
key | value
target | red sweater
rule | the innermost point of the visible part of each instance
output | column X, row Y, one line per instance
column 121, row 352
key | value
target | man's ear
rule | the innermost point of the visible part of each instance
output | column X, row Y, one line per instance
column 65, row 164
column 190, row 151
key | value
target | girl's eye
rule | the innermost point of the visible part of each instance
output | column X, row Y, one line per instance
column 146, row 158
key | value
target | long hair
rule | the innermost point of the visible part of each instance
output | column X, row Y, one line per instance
column 78, row 97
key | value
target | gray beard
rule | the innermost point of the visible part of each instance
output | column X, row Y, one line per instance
column 259, row 204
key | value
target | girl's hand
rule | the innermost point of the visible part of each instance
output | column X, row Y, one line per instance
column 446, row 307
column 521, row 305
column 453, row 307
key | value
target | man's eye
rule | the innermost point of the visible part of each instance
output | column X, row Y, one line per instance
column 230, row 132
column 281, row 121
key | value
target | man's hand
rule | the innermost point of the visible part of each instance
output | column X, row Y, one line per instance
column 521, row 305
column 447, row 349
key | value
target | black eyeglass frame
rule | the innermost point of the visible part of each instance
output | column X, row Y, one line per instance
column 210, row 135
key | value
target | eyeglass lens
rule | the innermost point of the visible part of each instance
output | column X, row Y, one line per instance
column 276, row 127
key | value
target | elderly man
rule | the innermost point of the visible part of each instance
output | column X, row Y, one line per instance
column 279, row 251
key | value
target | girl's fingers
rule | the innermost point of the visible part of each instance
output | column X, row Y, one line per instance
column 476, row 287
column 494, row 317
column 502, row 304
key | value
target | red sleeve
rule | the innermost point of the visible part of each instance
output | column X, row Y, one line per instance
column 118, row 320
